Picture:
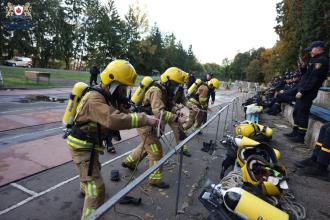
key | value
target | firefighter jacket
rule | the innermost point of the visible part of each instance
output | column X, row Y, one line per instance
column 156, row 101
column 200, row 97
column 178, row 102
column 314, row 75
column 95, row 109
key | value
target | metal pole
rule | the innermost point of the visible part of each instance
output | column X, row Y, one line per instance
column 237, row 108
column 179, row 182
column 232, row 110
column 216, row 134
column 224, row 128
column 115, row 198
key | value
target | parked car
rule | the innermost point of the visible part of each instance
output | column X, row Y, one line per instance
column 19, row 61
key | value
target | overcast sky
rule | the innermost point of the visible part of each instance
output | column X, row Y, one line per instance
column 216, row 28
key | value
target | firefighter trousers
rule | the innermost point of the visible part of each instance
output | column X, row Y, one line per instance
column 321, row 153
column 151, row 147
column 91, row 186
column 195, row 118
column 179, row 134
column 301, row 112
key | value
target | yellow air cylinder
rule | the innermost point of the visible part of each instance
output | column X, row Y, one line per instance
column 245, row 141
column 250, row 206
column 71, row 108
column 141, row 90
column 267, row 131
column 194, row 86
column 246, row 130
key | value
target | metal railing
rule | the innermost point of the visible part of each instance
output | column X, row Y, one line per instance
column 234, row 104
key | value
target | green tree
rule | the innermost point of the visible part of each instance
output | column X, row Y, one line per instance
column 136, row 24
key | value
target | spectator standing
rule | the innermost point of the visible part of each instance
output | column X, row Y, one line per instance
column 94, row 71
column 191, row 79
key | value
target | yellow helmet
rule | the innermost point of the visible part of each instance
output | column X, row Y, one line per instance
column 263, row 150
column 214, row 82
column 175, row 74
column 257, row 171
column 277, row 153
column 119, row 70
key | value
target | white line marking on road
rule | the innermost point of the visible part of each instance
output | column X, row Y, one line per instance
column 26, row 190
column 57, row 185
column 53, row 187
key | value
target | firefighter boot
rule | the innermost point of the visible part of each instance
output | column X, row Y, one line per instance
column 293, row 133
column 186, row 151
column 161, row 185
column 299, row 138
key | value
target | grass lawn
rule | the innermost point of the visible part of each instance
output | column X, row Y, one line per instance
column 14, row 77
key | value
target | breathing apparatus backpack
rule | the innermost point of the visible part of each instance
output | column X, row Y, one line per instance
column 254, row 131
column 194, row 86
column 239, row 148
column 137, row 98
column 78, row 90
column 139, row 93
column 270, row 177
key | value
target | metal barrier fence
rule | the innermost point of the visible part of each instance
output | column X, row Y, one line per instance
column 233, row 105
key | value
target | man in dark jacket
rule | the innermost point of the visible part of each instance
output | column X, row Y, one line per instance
column 314, row 74
column 94, row 71
column 191, row 80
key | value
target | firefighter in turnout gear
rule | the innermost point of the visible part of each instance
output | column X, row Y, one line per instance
column 176, row 105
column 198, row 103
column 156, row 101
column 97, row 114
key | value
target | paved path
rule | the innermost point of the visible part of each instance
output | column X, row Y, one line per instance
column 14, row 121
column 25, row 92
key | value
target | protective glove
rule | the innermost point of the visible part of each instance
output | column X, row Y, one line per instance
column 152, row 120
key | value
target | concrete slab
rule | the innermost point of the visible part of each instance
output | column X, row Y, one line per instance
column 24, row 92
column 14, row 121
column 21, row 160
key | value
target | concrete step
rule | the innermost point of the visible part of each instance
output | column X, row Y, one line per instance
column 327, row 82
column 322, row 99
column 314, row 126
